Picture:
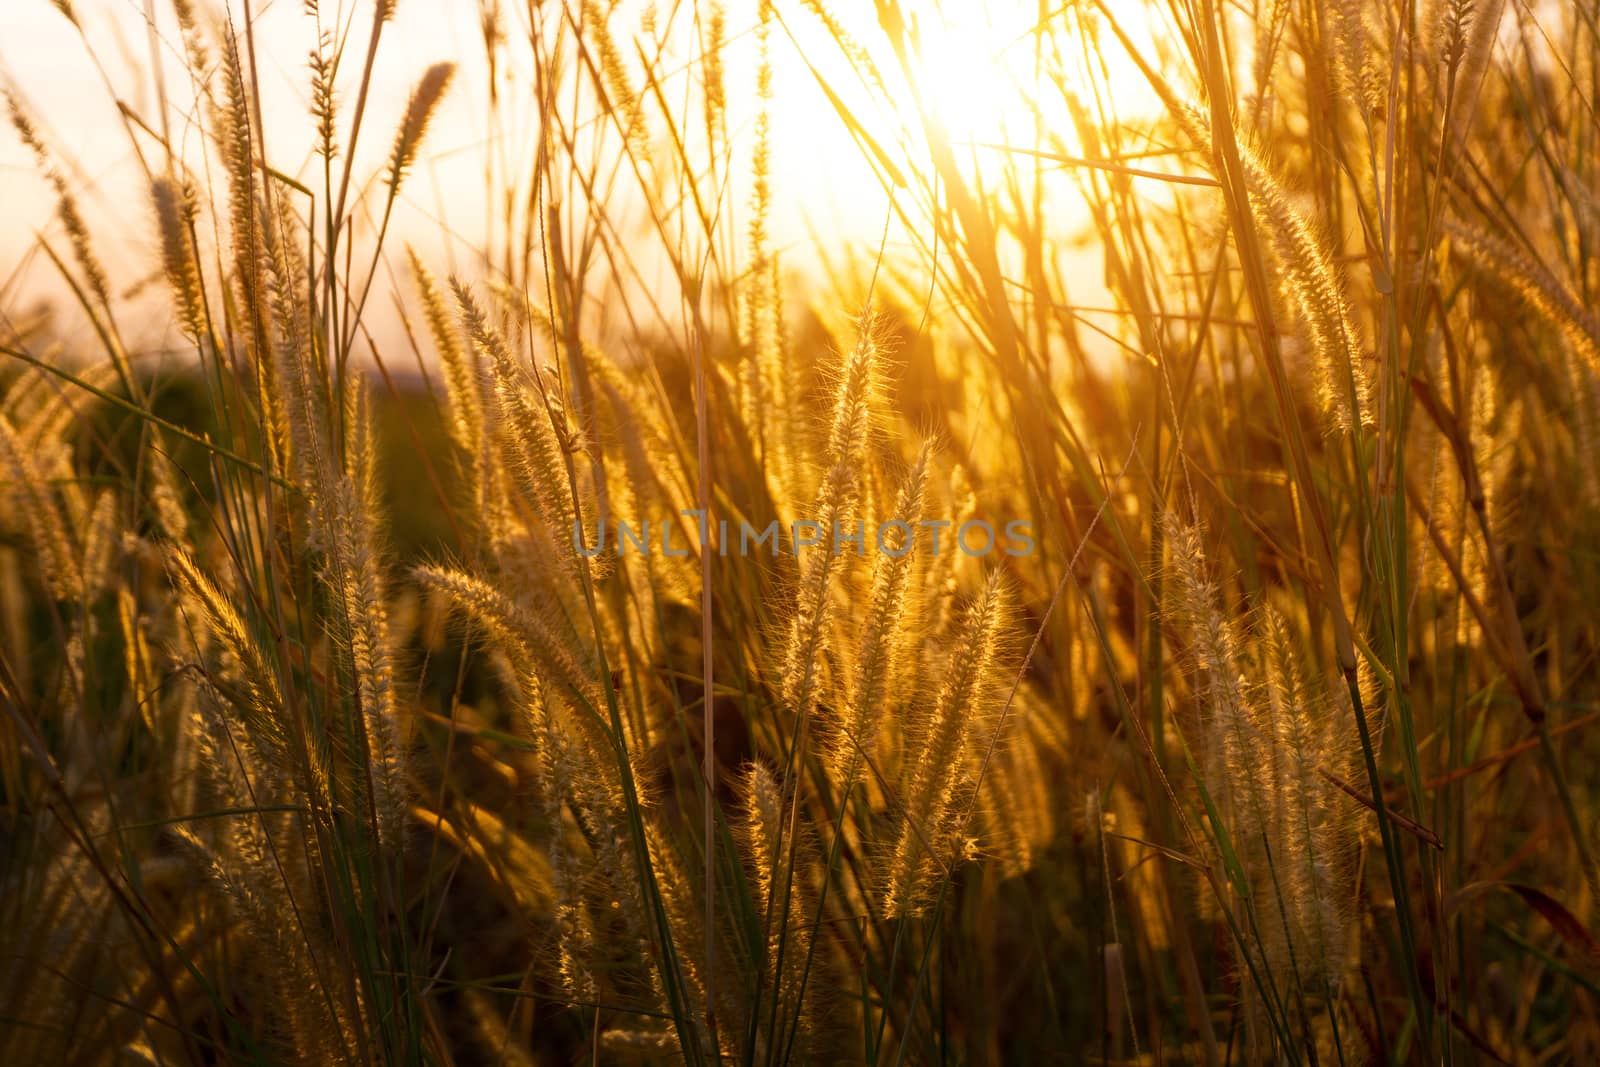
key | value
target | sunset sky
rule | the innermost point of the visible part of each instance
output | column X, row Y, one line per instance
column 827, row 201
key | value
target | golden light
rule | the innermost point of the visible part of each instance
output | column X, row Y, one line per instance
column 994, row 81
column 972, row 66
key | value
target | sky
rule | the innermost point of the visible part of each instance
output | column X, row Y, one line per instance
column 822, row 184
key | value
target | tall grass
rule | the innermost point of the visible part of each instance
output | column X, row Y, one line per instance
column 344, row 723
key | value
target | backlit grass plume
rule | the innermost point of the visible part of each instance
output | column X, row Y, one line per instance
column 934, row 788
column 834, row 507
column 1272, row 749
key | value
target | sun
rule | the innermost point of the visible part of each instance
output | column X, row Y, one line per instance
column 973, row 72
column 999, row 83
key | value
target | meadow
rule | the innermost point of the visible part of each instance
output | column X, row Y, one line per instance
column 1140, row 605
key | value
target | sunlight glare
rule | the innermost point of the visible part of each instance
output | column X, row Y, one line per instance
column 985, row 77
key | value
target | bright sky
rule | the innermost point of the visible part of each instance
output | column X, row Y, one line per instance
column 822, row 185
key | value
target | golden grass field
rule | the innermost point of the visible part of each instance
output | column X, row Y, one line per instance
column 1137, row 604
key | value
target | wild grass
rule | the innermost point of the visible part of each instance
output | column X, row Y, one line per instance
column 333, row 735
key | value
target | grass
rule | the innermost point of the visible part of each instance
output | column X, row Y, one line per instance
column 605, row 670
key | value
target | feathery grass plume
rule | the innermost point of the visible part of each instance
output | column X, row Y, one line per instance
column 532, row 557
column 137, row 661
column 761, row 156
column 414, row 127
column 292, row 404
column 274, row 884
column 463, row 374
column 1220, row 686
column 556, row 768
column 1448, row 515
column 1314, row 283
column 296, row 406
column 1317, row 287
column 685, row 919
column 465, row 395
column 361, row 455
column 537, row 443
column 252, row 690
column 262, row 704
column 1561, row 309
column 316, row 1031
column 767, row 389
column 66, row 204
column 760, row 829
column 68, row 915
column 780, row 878
column 642, row 428
column 884, row 631
column 1358, row 56
column 529, row 637
column 577, row 767
column 716, row 89
column 1475, row 50
column 941, row 583
column 175, row 213
column 1269, row 743
column 1585, row 385
column 834, row 507
column 1314, row 838
column 324, row 98
column 577, row 942
column 608, row 875
column 623, row 103
column 170, row 517
column 24, row 488
column 613, row 878
column 233, row 129
column 235, row 768
column 29, row 393
column 1018, row 816
column 1490, row 461
column 42, row 408
column 861, row 61
column 1452, row 25
column 100, row 541
column 650, row 480
column 1268, row 50
column 353, row 573
column 194, row 45
column 257, row 248
column 932, row 783
column 82, row 247
column 1538, row 287
column 641, row 1044
column 1241, row 769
